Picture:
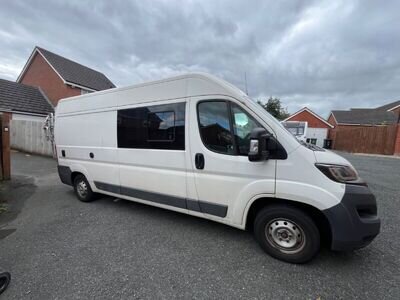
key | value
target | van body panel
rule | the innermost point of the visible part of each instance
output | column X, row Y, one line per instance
column 329, row 156
column 78, row 137
column 153, row 170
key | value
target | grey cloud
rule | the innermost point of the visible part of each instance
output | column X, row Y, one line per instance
column 323, row 54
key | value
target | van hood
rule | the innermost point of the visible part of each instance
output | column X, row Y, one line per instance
column 329, row 157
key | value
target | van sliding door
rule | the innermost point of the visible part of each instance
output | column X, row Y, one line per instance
column 151, row 154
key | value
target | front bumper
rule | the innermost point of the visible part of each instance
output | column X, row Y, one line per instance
column 354, row 221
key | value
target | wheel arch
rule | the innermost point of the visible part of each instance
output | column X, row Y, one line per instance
column 317, row 216
column 74, row 174
column 77, row 169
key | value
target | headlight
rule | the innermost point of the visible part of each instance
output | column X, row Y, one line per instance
column 340, row 173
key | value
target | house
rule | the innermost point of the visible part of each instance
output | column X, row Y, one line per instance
column 21, row 104
column 367, row 130
column 59, row 77
column 317, row 127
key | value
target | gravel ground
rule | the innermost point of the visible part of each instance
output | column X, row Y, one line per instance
column 59, row 248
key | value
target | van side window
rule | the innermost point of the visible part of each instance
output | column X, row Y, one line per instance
column 152, row 127
column 243, row 124
column 215, row 126
column 161, row 126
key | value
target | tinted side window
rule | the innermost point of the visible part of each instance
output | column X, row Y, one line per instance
column 161, row 126
column 215, row 128
column 152, row 127
column 243, row 124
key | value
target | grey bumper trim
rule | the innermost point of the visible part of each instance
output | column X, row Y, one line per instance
column 194, row 205
column 65, row 174
column 354, row 221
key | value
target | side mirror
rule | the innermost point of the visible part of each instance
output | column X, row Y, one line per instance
column 258, row 144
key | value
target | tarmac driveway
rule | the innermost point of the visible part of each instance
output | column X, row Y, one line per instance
column 59, row 248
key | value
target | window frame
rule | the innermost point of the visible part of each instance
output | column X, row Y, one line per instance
column 233, row 130
column 230, row 118
column 173, row 107
column 280, row 153
column 231, row 122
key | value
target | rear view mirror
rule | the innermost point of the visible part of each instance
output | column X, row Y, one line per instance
column 258, row 144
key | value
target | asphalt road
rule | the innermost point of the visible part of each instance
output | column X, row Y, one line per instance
column 59, row 248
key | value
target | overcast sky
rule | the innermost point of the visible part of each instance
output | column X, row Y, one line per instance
column 321, row 54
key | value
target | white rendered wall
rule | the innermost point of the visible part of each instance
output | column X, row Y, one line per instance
column 317, row 133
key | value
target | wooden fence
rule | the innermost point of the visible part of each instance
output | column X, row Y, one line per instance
column 371, row 139
column 29, row 136
column 5, row 167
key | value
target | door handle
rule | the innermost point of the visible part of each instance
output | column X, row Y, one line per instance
column 199, row 161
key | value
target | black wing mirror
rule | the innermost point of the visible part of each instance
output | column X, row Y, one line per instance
column 258, row 144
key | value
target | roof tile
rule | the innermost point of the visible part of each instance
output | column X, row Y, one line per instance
column 73, row 72
column 19, row 97
column 365, row 117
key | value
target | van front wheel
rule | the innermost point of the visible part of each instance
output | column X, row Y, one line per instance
column 82, row 189
column 287, row 233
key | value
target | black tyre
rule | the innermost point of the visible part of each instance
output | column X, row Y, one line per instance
column 287, row 233
column 4, row 281
column 82, row 189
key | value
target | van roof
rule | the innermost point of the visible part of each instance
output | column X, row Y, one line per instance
column 187, row 85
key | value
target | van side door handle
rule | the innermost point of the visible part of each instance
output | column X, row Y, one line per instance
column 199, row 161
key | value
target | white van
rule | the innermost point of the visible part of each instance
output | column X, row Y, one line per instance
column 198, row 145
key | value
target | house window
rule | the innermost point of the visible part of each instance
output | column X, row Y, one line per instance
column 152, row 127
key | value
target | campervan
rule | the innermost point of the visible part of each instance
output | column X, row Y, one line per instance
column 197, row 145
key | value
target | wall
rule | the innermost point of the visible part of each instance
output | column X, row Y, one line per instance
column 317, row 133
column 312, row 121
column 332, row 131
column 397, row 142
column 28, row 136
column 40, row 74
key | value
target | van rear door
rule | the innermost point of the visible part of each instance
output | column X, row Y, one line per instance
column 219, row 143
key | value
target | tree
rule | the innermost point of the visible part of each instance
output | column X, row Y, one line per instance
column 274, row 107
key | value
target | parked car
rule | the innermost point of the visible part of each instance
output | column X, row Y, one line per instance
column 198, row 145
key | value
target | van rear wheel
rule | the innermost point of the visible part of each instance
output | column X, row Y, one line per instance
column 287, row 233
column 82, row 189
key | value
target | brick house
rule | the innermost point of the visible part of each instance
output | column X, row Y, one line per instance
column 317, row 127
column 21, row 104
column 378, row 128
column 59, row 77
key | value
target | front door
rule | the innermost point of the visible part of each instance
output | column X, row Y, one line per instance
column 219, row 137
